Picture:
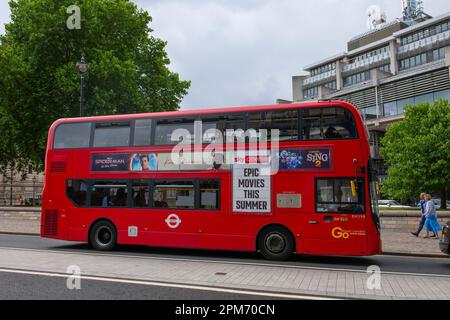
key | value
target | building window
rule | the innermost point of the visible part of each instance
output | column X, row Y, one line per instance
column 401, row 104
column 369, row 113
column 330, row 85
column 444, row 95
column 425, row 33
column 311, row 93
column 390, row 109
column 323, row 69
column 369, row 54
column 424, row 98
column 357, row 78
column 340, row 195
column 422, row 58
column 385, row 68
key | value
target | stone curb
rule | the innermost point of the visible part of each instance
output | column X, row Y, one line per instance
column 417, row 255
column 414, row 214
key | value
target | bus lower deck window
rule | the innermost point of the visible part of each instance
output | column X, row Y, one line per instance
column 338, row 196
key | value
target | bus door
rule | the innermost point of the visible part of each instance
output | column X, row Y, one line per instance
column 217, row 227
column 169, row 220
column 337, row 224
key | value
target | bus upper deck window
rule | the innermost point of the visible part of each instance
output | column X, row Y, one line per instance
column 72, row 135
column 166, row 134
column 112, row 134
column 142, row 132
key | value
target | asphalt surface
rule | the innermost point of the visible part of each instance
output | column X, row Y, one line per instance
column 395, row 264
column 15, row 286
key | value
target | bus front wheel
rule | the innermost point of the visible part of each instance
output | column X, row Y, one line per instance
column 103, row 236
column 276, row 243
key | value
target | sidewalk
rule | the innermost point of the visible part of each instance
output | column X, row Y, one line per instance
column 404, row 243
column 394, row 242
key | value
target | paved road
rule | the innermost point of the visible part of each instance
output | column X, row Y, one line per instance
column 39, row 267
column 394, row 264
column 14, row 286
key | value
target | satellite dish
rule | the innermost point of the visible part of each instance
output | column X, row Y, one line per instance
column 376, row 17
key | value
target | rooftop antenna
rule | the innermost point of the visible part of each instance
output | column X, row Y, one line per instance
column 412, row 9
column 376, row 17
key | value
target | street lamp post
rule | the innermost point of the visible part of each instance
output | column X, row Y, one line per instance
column 34, row 191
column 82, row 68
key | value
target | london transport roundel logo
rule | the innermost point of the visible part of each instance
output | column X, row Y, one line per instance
column 173, row 221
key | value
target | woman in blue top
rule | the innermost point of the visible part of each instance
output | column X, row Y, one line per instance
column 431, row 222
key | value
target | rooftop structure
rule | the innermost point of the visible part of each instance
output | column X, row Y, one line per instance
column 405, row 61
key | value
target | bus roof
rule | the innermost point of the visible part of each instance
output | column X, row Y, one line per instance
column 319, row 103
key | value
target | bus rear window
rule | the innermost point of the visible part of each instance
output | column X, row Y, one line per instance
column 72, row 136
column 328, row 124
column 77, row 191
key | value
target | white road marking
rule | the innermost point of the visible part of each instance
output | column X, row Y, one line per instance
column 267, row 265
column 174, row 285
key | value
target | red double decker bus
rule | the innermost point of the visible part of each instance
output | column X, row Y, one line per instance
column 112, row 180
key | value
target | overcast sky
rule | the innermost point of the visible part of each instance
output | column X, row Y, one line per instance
column 244, row 52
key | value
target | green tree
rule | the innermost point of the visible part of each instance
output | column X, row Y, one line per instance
column 417, row 151
column 128, row 69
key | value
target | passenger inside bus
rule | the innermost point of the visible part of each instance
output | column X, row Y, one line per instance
column 120, row 199
column 158, row 203
column 332, row 133
column 140, row 198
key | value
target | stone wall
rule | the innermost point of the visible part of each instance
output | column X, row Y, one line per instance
column 401, row 221
column 29, row 188
column 407, row 220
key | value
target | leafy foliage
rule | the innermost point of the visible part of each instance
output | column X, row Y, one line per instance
column 417, row 151
column 128, row 70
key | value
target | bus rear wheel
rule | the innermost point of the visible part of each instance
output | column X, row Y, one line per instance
column 276, row 243
column 103, row 236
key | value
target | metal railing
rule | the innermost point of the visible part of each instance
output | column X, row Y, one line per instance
column 441, row 37
column 366, row 62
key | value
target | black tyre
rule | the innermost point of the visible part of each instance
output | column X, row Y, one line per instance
column 103, row 236
column 276, row 243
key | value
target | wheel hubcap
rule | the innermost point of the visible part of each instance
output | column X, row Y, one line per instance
column 104, row 236
column 275, row 243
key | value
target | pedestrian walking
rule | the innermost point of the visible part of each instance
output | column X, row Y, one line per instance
column 422, row 204
column 431, row 222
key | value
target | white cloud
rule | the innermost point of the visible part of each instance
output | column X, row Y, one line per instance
column 245, row 52
column 4, row 15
